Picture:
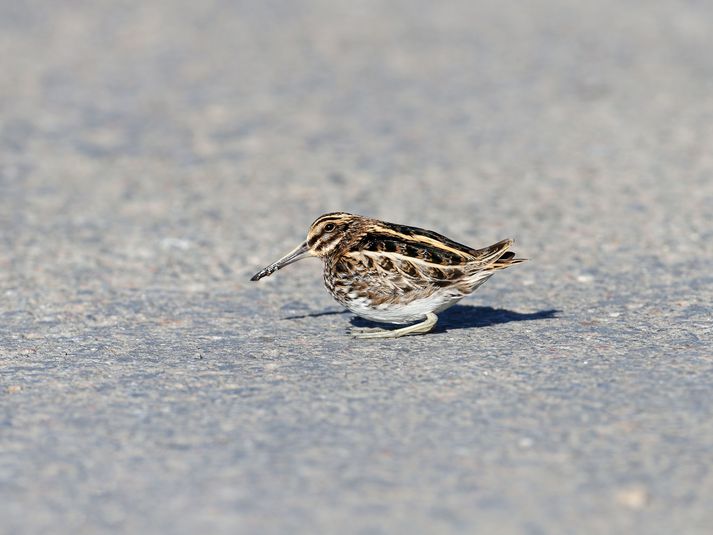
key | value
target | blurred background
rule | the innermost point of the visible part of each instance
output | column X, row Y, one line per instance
column 539, row 120
column 156, row 154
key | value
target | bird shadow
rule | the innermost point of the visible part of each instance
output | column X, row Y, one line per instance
column 316, row 314
column 469, row 316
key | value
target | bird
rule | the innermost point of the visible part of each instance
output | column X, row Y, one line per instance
column 390, row 273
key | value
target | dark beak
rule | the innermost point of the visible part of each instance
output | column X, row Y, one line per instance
column 300, row 252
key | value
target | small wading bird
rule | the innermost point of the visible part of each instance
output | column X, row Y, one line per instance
column 393, row 273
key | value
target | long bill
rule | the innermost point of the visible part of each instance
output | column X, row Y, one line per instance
column 298, row 253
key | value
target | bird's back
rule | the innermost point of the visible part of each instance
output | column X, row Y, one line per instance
column 393, row 272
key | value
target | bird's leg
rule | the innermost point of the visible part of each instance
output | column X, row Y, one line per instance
column 419, row 328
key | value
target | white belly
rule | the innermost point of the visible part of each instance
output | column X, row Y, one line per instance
column 403, row 313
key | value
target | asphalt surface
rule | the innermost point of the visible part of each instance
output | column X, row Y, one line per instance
column 157, row 154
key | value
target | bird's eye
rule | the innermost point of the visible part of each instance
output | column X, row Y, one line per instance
column 329, row 227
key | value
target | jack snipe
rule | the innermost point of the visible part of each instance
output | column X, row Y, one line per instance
column 393, row 273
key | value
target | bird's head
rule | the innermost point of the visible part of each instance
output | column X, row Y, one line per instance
column 325, row 236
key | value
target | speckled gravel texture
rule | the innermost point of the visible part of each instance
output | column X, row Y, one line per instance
column 156, row 154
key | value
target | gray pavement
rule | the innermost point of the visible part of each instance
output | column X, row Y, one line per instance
column 156, row 154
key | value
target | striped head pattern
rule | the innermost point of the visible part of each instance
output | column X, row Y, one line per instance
column 330, row 231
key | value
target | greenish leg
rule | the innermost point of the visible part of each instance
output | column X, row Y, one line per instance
column 419, row 328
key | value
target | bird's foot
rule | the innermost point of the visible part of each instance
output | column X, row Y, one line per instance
column 419, row 328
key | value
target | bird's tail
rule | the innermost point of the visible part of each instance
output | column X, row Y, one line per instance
column 497, row 256
column 506, row 260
